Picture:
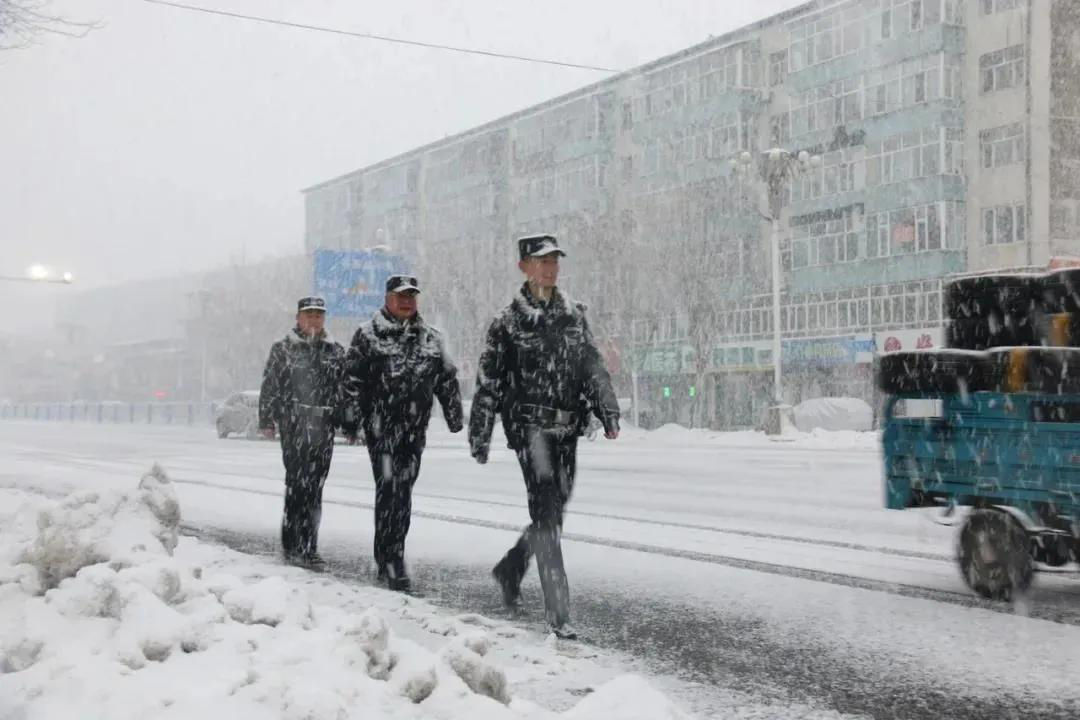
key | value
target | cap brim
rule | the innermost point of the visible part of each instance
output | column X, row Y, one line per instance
column 312, row 307
column 406, row 288
column 547, row 251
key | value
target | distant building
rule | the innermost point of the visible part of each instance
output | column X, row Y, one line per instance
column 948, row 133
column 197, row 336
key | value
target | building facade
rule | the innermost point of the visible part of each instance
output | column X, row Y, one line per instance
column 946, row 135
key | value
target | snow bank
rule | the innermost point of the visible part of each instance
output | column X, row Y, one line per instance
column 105, row 612
column 834, row 414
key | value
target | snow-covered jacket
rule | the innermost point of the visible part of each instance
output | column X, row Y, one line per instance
column 394, row 370
column 301, row 374
column 539, row 355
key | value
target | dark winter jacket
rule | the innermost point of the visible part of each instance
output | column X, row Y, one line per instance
column 394, row 370
column 302, row 377
column 539, row 355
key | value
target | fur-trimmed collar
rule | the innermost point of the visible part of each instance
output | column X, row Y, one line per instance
column 532, row 311
column 384, row 324
column 298, row 337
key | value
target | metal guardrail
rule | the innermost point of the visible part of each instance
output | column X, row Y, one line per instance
column 146, row 413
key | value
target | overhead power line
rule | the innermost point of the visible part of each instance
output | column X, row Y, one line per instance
column 381, row 38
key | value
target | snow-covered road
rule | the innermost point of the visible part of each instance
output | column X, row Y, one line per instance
column 728, row 561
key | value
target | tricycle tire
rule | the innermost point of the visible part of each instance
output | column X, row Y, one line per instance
column 995, row 555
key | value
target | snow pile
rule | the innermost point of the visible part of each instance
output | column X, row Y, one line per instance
column 628, row 698
column 834, row 414
column 94, row 527
column 103, row 614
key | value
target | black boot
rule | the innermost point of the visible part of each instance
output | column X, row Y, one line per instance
column 509, row 579
column 563, row 631
column 397, row 576
column 315, row 563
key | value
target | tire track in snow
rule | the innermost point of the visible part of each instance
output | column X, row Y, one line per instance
column 755, row 534
column 1041, row 612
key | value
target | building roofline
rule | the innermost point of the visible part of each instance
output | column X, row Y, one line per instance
column 586, row 90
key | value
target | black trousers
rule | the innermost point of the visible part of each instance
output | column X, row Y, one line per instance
column 548, row 464
column 307, row 446
column 395, row 471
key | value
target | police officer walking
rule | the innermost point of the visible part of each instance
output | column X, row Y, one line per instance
column 543, row 373
column 301, row 396
column 396, row 365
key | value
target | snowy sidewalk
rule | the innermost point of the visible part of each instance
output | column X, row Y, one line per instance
column 105, row 611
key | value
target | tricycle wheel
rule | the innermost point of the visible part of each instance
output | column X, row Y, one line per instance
column 222, row 430
column 995, row 557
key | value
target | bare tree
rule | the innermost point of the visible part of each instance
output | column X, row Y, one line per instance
column 23, row 21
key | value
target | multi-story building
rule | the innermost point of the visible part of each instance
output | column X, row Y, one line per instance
column 945, row 132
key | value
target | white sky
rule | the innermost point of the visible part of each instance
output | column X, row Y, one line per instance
column 170, row 141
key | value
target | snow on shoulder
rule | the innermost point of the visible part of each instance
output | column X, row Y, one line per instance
column 105, row 611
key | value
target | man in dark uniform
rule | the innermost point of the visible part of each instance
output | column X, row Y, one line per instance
column 396, row 365
column 301, row 396
column 542, row 372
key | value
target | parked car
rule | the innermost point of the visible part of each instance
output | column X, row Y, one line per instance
column 239, row 414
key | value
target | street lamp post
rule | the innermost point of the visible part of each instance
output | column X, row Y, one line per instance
column 777, row 167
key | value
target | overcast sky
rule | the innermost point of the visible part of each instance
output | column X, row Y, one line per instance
column 170, row 141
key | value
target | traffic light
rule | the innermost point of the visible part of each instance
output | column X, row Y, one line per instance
column 693, row 391
column 667, row 391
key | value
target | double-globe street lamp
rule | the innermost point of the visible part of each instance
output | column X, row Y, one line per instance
column 777, row 168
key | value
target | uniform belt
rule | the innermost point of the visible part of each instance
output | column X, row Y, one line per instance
column 314, row 410
column 544, row 414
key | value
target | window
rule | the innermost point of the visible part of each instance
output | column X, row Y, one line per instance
column 916, row 154
column 905, row 231
column 1002, row 69
column 730, row 134
column 828, row 106
column 780, row 129
column 989, row 7
column 778, row 68
column 914, row 304
column 840, row 32
column 627, row 115
column 1002, row 146
column 911, row 83
column 836, row 174
column 825, row 243
column 1004, row 224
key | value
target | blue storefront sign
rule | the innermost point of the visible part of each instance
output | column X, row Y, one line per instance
column 828, row 351
column 354, row 281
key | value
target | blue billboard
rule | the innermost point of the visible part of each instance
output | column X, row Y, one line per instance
column 354, row 281
column 829, row 351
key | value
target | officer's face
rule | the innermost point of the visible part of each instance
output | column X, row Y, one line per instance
column 402, row 305
column 311, row 322
column 543, row 271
